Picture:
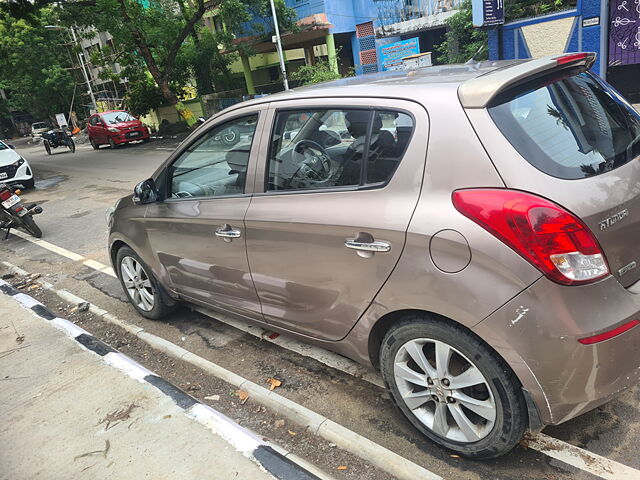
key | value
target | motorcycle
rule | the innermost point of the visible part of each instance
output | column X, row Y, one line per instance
column 58, row 137
column 14, row 214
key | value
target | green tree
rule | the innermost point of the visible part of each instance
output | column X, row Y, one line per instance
column 34, row 67
column 462, row 41
column 166, row 38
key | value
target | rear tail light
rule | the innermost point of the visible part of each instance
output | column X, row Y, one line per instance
column 573, row 57
column 559, row 244
column 5, row 194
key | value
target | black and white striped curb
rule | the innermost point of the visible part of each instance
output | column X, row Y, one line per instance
column 241, row 439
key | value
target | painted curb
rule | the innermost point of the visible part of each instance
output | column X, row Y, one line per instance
column 244, row 441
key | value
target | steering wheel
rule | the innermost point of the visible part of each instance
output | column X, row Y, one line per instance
column 316, row 166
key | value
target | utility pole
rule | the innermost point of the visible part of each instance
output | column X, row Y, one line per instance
column 279, row 45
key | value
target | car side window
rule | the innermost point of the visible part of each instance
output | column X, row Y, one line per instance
column 94, row 120
column 314, row 149
column 216, row 164
column 325, row 148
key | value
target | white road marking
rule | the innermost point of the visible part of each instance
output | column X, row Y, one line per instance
column 552, row 447
column 101, row 267
column 582, row 459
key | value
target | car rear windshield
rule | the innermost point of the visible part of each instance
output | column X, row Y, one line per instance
column 117, row 117
column 39, row 125
column 570, row 126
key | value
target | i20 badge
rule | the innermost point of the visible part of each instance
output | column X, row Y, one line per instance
column 627, row 268
column 613, row 219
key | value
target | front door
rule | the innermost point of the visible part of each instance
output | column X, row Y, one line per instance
column 333, row 201
column 198, row 232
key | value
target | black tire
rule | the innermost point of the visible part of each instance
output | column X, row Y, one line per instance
column 112, row 144
column 71, row 144
column 93, row 143
column 511, row 413
column 30, row 226
column 164, row 304
column 47, row 147
column 29, row 184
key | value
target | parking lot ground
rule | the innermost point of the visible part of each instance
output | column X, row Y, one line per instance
column 85, row 185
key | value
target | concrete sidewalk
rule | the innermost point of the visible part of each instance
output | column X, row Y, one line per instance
column 65, row 414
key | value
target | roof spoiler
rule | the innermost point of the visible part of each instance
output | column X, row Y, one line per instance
column 479, row 91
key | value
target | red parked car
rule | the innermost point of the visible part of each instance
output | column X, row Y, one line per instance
column 115, row 127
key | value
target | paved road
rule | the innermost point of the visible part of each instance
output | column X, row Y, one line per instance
column 76, row 189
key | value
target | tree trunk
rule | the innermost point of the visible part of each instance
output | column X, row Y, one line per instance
column 186, row 114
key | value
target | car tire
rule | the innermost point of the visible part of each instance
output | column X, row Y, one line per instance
column 112, row 144
column 93, row 143
column 435, row 406
column 162, row 305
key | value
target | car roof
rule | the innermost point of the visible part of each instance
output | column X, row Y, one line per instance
column 476, row 83
column 382, row 84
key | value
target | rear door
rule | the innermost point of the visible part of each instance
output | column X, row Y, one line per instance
column 335, row 189
column 574, row 140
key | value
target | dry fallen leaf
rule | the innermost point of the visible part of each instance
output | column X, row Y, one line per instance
column 342, row 467
column 242, row 395
column 454, row 456
column 291, row 433
column 273, row 383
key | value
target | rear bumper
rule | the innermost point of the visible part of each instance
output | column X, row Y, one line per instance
column 537, row 333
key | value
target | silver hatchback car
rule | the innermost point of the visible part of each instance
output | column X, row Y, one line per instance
column 471, row 230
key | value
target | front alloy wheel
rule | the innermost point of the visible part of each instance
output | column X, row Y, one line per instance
column 137, row 283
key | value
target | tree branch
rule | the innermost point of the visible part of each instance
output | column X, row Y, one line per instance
column 186, row 30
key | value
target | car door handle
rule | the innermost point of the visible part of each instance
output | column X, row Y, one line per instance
column 227, row 231
column 375, row 246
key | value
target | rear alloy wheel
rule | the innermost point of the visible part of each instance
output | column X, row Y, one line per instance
column 453, row 387
column 143, row 290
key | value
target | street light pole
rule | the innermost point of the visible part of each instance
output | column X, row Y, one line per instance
column 80, row 59
column 280, row 54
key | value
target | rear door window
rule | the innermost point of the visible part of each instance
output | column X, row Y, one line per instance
column 328, row 148
column 571, row 126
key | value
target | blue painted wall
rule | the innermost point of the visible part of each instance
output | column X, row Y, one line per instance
column 581, row 38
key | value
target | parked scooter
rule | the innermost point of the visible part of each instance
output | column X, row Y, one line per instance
column 14, row 214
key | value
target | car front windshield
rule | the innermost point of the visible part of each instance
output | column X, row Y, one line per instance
column 117, row 117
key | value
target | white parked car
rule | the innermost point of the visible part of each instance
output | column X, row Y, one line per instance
column 38, row 128
column 14, row 168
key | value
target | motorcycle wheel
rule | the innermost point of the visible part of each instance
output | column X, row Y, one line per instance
column 47, row 147
column 30, row 226
column 71, row 145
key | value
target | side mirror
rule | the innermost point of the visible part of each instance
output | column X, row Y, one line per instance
column 11, row 146
column 145, row 192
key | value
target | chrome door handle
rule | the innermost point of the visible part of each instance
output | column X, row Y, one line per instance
column 375, row 246
column 226, row 231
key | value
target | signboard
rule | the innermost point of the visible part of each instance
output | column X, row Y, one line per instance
column 590, row 22
column 391, row 55
column 487, row 12
column 62, row 120
column 624, row 32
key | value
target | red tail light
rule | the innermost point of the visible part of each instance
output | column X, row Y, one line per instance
column 559, row 244
column 610, row 334
column 5, row 194
column 573, row 57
